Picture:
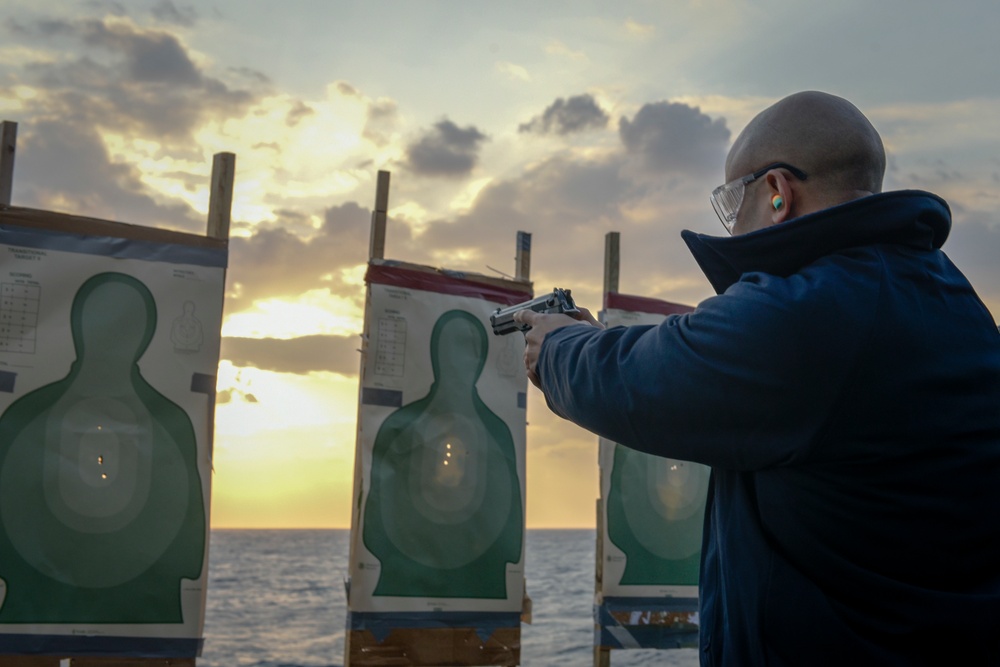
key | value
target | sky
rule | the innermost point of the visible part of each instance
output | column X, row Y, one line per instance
column 567, row 120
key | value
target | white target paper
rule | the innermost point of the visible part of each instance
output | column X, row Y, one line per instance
column 439, row 524
column 107, row 378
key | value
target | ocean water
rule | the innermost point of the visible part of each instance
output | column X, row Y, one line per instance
column 276, row 599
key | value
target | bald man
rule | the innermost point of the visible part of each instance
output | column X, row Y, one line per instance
column 844, row 386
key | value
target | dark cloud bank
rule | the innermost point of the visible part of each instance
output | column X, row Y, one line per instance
column 563, row 117
column 671, row 136
column 334, row 354
column 445, row 150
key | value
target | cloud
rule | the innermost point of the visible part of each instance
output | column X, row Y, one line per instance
column 298, row 111
column 557, row 48
column 567, row 193
column 105, row 87
column 65, row 166
column 637, row 29
column 149, row 56
column 129, row 79
column 251, row 75
column 445, row 150
column 382, row 116
column 675, row 137
column 575, row 114
column 306, row 354
column 274, row 262
column 513, row 71
column 569, row 203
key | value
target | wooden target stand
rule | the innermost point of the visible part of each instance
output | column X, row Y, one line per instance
column 217, row 237
column 612, row 258
column 436, row 646
column 646, row 626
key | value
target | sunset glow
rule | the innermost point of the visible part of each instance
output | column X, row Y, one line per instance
column 564, row 120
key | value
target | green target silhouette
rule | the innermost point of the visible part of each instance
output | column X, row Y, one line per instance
column 656, row 510
column 444, row 513
column 101, row 501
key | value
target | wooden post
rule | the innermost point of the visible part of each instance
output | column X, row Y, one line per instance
column 522, row 259
column 611, row 262
column 602, row 654
column 8, row 142
column 220, row 200
column 220, row 212
column 376, row 250
column 376, row 246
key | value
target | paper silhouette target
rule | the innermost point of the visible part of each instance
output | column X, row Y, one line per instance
column 99, row 476
column 648, row 492
column 104, row 445
column 444, row 511
column 440, row 519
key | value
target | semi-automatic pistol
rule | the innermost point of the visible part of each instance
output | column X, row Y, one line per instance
column 559, row 301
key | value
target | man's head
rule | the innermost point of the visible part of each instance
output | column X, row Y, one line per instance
column 822, row 136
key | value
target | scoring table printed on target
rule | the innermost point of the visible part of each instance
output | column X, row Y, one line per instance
column 18, row 317
column 390, row 346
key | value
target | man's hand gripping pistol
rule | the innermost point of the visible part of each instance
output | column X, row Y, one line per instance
column 559, row 301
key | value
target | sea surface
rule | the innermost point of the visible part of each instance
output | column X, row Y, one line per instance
column 276, row 599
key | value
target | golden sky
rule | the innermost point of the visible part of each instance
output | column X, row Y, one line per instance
column 566, row 120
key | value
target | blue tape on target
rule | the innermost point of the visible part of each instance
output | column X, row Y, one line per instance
column 627, row 623
column 145, row 647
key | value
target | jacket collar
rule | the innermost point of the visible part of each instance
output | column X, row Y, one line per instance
column 908, row 217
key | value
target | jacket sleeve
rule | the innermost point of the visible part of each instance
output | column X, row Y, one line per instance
column 746, row 381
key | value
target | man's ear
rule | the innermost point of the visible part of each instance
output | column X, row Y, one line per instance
column 782, row 197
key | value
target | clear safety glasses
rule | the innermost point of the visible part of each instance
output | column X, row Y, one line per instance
column 726, row 199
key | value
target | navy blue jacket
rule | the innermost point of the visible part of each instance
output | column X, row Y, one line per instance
column 844, row 386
